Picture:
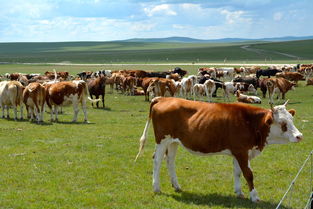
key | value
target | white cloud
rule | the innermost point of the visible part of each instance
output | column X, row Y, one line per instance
column 162, row 9
column 232, row 16
column 278, row 16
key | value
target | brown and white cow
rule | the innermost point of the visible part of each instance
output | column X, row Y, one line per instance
column 34, row 96
column 65, row 93
column 11, row 95
column 239, row 130
column 247, row 99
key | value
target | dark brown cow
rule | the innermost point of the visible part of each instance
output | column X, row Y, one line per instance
column 34, row 96
column 96, row 88
column 238, row 130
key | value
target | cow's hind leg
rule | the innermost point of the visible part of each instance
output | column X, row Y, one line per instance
column 158, row 156
column 247, row 173
column 171, row 153
column 237, row 174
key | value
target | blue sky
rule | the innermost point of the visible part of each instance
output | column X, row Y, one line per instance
column 105, row 20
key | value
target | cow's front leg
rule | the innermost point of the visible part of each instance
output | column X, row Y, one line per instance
column 247, row 173
column 158, row 156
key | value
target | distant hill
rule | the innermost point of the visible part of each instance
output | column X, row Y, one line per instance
column 223, row 40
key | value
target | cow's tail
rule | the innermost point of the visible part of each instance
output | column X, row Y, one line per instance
column 143, row 138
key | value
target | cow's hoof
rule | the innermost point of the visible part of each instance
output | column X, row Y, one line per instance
column 241, row 196
column 157, row 191
column 178, row 190
column 86, row 122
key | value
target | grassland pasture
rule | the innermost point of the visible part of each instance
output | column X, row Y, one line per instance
column 77, row 165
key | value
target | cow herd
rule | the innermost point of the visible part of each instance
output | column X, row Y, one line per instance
column 204, row 128
column 57, row 89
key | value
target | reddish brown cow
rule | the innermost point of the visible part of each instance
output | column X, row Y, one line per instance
column 291, row 76
column 238, row 130
column 96, row 88
column 34, row 96
column 279, row 86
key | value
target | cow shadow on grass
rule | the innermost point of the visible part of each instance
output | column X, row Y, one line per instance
column 214, row 199
column 101, row 108
column 74, row 123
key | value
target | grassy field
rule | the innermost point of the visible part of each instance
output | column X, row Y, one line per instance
column 139, row 52
column 66, row 165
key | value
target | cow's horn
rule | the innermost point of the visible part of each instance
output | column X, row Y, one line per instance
column 286, row 102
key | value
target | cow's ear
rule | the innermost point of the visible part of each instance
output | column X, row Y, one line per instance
column 292, row 112
column 268, row 119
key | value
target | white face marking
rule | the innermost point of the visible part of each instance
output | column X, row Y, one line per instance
column 282, row 129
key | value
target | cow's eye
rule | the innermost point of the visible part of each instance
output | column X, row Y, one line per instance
column 284, row 127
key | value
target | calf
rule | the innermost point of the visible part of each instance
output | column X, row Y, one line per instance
column 34, row 96
column 247, row 99
column 238, row 130
column 11, row 94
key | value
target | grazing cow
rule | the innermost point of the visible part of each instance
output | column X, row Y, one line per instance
column 128, row 85
column 34, row 96
column 160, row 86
column 11, row 94
column 267, row 72
column 278, row 85
column 65, row 93
column 239, row 130
column 291, row 76
column 247, row 99
column 144, row 84
column 96, row 87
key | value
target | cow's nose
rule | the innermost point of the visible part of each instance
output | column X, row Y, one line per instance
column 299, row 137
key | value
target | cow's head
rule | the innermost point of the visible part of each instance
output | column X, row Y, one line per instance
column 282, row 129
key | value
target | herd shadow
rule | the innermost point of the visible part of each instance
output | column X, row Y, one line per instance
column 226, row 201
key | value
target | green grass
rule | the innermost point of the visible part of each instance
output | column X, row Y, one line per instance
column 66, row 165
column 140, row 52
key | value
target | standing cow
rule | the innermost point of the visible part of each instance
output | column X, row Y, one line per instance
column 11, row 96
column 34, row 96
column 238, row 130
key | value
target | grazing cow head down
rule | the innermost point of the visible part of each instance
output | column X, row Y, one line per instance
column 282, row 129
